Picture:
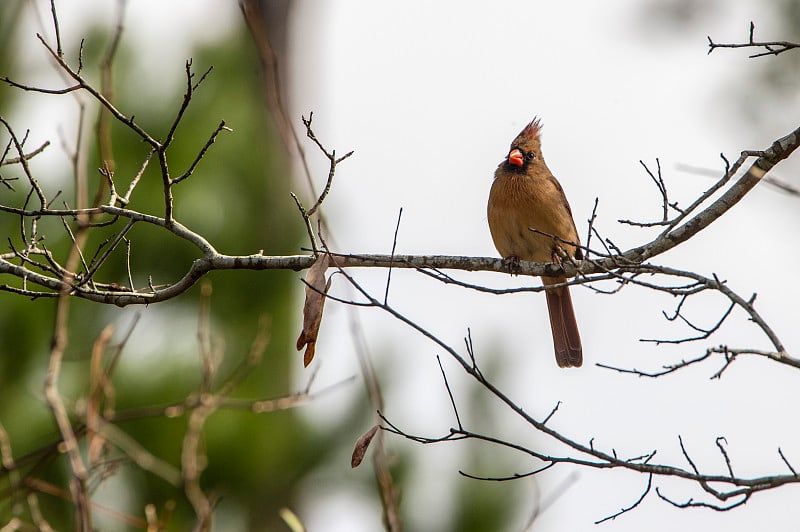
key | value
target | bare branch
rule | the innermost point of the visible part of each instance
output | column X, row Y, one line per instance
column 221, row 127
column 770, row 47
column 27, row 156
column 450, row 394
column 331, row 158
column 632, row 506
column 394, row 247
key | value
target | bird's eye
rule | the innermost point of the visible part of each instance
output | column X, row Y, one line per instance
column 531, row 155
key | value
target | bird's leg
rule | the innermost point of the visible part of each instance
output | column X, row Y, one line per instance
column 558, row 255
column 512, row 263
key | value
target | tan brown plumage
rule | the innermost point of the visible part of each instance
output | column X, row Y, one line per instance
column 525, row 195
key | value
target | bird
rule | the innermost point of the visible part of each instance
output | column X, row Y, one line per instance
column 525, row 196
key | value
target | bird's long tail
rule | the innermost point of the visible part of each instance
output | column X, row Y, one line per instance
column 566, row 338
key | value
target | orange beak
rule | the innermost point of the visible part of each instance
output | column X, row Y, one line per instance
column 515, row 158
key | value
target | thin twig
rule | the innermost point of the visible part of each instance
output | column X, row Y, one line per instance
column 770, row 47
column 394, row 247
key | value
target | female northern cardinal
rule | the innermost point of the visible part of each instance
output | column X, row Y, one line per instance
column 526, row 196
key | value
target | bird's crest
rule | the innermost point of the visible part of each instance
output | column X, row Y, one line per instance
column 533, row 129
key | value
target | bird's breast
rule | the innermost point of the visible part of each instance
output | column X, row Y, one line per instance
column 518, row 203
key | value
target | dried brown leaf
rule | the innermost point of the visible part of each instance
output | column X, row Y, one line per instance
column 316, row 288
column 362, row 445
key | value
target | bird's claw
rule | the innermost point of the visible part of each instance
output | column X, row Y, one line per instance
column 512, row 263
column 559, row 255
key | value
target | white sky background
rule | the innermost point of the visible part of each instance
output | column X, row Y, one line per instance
column 429, row 95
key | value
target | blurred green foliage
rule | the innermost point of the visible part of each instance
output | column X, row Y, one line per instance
column 238, row 199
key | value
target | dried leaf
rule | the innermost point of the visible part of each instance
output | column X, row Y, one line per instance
column 361, row 446
column 316, row 288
